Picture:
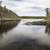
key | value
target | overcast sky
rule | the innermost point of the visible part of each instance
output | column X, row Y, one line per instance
column 27, row 7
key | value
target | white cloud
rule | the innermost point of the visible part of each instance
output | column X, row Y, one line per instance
column 25, row 6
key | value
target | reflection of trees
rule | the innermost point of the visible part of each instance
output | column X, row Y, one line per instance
column 7, row 25
column 47, row 28
column 40, row 23
column 36, row 23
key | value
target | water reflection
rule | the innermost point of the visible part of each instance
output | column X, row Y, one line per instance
column 7, row 25
column 47, row 30
column 23, row 37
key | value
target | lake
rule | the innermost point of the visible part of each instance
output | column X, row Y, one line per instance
column 19, row 36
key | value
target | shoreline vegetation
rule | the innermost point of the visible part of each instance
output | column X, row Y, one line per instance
column 6, row 14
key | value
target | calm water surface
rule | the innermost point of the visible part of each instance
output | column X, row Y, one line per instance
column 20, row 36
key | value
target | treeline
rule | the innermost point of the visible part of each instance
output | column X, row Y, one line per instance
column 5, row 13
